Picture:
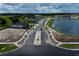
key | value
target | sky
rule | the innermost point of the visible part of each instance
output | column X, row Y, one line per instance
column 39, row 7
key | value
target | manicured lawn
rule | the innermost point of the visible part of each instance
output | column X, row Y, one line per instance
column 31, row 22
column 71, row 46
column 6, row 47
column 50, row 22
column 2, row 26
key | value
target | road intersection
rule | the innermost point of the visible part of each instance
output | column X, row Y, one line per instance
column 45, row 47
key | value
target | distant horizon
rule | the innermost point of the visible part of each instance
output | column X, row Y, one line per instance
column 39, row 13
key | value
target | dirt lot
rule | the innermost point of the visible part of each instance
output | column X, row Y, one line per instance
column 11, row 34
column 66, row 38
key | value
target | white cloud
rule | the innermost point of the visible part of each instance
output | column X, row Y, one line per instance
column 38, row 8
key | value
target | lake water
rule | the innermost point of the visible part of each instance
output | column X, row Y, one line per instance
column 67, row 26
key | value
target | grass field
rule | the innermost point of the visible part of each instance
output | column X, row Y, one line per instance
column 2, row 27
column 8, row 21
column 6, row 47
column 71, row 46
column 50, row 22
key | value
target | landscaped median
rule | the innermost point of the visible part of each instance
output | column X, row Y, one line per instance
column 7, row 47
column 37, row 40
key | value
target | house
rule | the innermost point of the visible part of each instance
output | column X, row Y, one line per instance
column 20, row 25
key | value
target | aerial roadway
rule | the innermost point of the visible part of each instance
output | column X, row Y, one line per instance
column 38, row 46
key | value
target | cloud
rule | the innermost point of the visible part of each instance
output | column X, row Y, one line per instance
column 39, row 8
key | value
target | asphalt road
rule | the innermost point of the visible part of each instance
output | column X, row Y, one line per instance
column 45, row 49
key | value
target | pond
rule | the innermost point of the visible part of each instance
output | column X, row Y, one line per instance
column 67, row 26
